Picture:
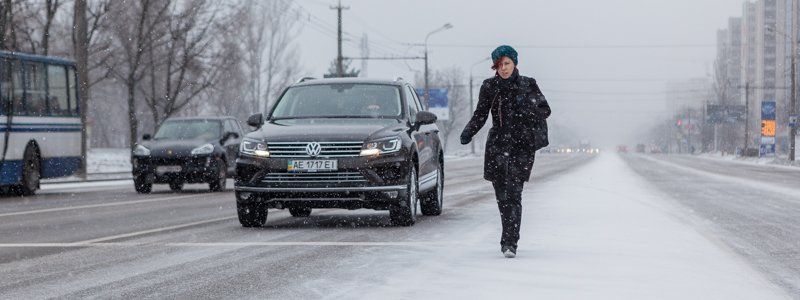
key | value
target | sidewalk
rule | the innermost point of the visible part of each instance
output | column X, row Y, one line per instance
column 598, row 232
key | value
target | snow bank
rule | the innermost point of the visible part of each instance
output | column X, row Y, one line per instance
column 108, row 160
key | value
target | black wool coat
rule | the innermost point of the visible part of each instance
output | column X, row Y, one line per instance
column 519, row 127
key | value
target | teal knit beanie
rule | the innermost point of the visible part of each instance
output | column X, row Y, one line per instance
column 507, row 51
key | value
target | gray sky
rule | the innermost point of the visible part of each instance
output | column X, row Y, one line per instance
column 607, row 95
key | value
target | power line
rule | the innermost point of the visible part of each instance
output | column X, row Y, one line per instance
column 611, row 46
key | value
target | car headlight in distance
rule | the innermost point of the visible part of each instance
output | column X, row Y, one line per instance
column 253, row 148
column 204, row 149
column 140, row 150
column 382, row 146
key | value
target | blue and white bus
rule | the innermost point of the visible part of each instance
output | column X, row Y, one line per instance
column 39, row 120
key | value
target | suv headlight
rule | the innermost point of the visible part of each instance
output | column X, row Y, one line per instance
column 204, row 149
column 253, row 147
column 140, row 150
column 382, row 146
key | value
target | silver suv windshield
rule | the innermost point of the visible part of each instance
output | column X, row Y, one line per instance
column 345, row 100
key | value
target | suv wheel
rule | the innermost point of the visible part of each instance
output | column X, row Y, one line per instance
column 431, row 204
column 141, row 184
column 300, row 212
column 251, row 214
column 219, row 183
column 405, row 213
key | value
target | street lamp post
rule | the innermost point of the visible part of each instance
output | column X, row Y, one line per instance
column 793, row 95
column 471, row 98
column 444, row 27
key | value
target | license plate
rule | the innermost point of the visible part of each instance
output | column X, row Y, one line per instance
column 312, row 165
column 168, row 169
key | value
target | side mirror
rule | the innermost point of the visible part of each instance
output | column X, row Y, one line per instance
column 227, row 136
column 425, row 118
column 256, row 120
column 146, row 137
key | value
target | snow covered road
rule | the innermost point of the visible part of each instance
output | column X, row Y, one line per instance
column 752, row 209
column 592, row 228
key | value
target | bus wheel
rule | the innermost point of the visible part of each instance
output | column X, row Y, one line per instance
column 30, row 173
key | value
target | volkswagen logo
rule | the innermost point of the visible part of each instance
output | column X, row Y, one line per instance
column 313, row 149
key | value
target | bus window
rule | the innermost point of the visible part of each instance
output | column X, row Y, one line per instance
column 5, row 84
column 16, row 83
column 36, row 92
column 73, row 93
column 57, row 84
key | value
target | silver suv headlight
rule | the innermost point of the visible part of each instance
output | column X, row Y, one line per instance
column 381, row 146
column 204, row 149
column 253, row 147
column 140, row 150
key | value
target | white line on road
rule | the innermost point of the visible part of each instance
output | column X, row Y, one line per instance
column 20, row 213
column 225, row 244
column 143, row 232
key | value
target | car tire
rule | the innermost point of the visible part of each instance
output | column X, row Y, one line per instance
column 251, row 214
column 221, row 180
column 405, row 212
column 31, row 172
column 176, row 186
column 141, row 185
column 431, row 204
column 300, row 212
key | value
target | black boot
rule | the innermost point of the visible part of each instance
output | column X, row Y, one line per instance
column 509, row 251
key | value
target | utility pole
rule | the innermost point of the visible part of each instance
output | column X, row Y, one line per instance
column 793, row 106
column 339, row 57
column 746, row 117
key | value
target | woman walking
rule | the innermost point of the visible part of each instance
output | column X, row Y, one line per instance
column 519, row 110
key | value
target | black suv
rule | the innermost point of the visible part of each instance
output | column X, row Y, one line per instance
column 187, row 150
column 341, row 143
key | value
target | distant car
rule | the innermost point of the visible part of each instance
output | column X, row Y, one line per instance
column 188, row 150
column 342, row 143
column 622, row 149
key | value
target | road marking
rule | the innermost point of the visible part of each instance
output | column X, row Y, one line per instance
column 226, row 244
column 20, row 213
column 143, row 232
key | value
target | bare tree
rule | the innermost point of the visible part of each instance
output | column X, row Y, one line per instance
column 267, row 30
column 80, row 40
column 185, row 63
column 143, row 18
column 452, row 79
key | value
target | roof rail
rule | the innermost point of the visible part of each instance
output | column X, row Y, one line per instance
column 305, row 79
column 399, row 79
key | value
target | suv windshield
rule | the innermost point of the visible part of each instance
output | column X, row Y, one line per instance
column 340, row 101
column 189, row 130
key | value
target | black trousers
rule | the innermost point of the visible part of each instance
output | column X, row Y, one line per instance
column 508, row 191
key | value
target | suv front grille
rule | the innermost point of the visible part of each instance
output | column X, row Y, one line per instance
column 329, row 177
column 328, row 149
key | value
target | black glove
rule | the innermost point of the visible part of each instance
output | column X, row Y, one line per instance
column 465, row 138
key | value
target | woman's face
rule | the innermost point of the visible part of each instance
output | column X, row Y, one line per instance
column 506, row 67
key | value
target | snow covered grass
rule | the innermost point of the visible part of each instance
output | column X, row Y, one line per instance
column 600, row 232
column 774, row 161
column 108, row 160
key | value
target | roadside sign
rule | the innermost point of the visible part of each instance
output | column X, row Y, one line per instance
column 768, row 110
column 768, row 128
column 793, row 121
column 437, row 102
